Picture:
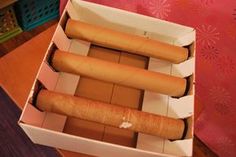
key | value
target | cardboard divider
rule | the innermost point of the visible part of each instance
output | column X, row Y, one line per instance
column 48, row 77
column 38, row 118
column 67, row 83
column 33, row 116
column 96, row 139
column 186, row 40
column 180, row 70
column 54, row 122
column 60, row 39
column 179, row 147
column 181, row 108
column 55, row 81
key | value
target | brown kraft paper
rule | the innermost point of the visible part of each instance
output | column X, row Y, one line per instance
column 126, row 42
column 113, row 115
column 119, row 74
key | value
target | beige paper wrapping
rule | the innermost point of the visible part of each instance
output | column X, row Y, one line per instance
column 126, row 42
column 118, row 73
column 112, row 115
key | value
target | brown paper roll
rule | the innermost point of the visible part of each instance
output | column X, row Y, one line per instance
column 126, row 42
column 112, row 115
column 118, row 73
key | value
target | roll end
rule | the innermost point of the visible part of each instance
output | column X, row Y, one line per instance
column 69, row 26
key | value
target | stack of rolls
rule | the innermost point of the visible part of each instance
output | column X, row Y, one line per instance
column 108, row 114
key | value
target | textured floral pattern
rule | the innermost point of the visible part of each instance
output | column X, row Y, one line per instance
column 209, row 53
column 215, row 23
column 207, row 35
column 190, row 6
column 221, row 101
column 223, row 144
column 207, row 2
column 234, row 14
column 157, row 8
column 222, row 108
column 219, row 94
column 226, row 65
column 230, row 29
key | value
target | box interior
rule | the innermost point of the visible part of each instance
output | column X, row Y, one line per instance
column 109, row 93
column 112, row 93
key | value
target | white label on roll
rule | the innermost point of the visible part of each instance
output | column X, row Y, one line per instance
column 125, row 125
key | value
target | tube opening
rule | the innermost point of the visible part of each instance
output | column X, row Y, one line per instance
column 188, row 88
column 190, row 48
column 51, row 53
column 64, row 19
column 38, row 87
column 185, row 131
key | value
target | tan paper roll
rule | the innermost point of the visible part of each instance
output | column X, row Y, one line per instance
column 126, row 42
column 112, row 115
column 118, row 73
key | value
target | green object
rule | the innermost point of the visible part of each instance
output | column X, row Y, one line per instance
column 8, row 24
column 32, row 13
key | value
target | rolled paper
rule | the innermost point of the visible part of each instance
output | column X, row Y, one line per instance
column 119, row 73
column 124, row 41
column 112, row 115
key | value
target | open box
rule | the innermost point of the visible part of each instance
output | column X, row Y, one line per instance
column 49, row 128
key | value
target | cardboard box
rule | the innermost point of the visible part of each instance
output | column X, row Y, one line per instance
column 67, row 133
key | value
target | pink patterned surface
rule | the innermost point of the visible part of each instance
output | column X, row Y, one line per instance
column 215, row 22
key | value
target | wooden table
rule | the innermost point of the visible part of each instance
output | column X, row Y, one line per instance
column 19, row 68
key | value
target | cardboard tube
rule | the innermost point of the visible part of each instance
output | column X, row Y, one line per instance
column 126, row 42
column 112, row 115
column 118, row 73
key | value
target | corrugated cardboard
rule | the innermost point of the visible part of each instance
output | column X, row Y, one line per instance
column 125, row 96
column 109, row 93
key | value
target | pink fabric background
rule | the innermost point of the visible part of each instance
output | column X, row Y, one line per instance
column 215, row 22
